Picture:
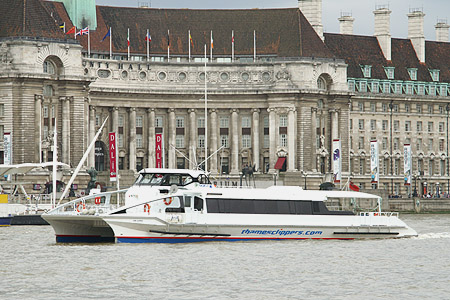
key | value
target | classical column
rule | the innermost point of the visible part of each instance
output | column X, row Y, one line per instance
column 91, row 158
column 192, row 138
column 213, row 129
column 115, row 120
column 255, row 137
column 272, row 138
column 65, row 136
column 334, row 124
column 86, row 140
column 151, row 137
column 172, row 134
column 38, row 127
column 291, row 140
column 234, row 141
column 313, row 139
column 132, row 144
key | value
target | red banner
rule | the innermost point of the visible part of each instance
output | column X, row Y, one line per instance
column 158, row 150
column 112, row 157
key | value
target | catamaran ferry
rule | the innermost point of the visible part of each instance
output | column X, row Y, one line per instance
column 198, row 212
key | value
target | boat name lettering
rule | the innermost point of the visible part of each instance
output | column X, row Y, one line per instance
column 281, row 232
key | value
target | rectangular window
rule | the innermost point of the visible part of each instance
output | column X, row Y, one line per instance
column 246, row 122
column 266, row 121
column 201, row 122
column 224, row 122
column 201, row 141
column 367, row 71
column 419, row 144
column 434, row 75
column 2, row 131
column 361, row 165
column 407, row 108
column 373, row 125
column 361, row 142
column 158, row 122
column 430, row 145
column 441, row 145
column 373, row 107
column 384, row 143
column 396, row 125
column 179, row 141
column 412, row 74
column 430, row 126
column 395, row 108
column 2, row 109
column 283, row 140
column 389, row 72
column 442, row 167
column 409, row 89
column 283, row 120
column 430, row 108
column 384, row 107
column 363, row 86
column 179, row 123
column 266, row 141
column 407, row 126
column 139, row 141
column 430, row 167
column 419, row 126
column 419, row 108
column 396, row 166
column 351, row 85
column 246, row 141
column 441, row 126
column 224, row 141
column 97, row 120
column 120, row 140
column 139, row 121
column 441, row 109
column 361, row 124
column 360, row 106
column 120, row 122
column 396, row 143
column 375, row 87
column 351, row 124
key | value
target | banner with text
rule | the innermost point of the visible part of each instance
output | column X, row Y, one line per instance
column 407, row 163
column 158, row 150
column 337, row 161
column 7, row 159
column 374, row 167
column 112, row 157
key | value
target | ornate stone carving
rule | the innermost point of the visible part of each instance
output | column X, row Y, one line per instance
column 283, row 75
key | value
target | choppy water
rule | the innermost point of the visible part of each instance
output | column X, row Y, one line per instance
column 33, row 266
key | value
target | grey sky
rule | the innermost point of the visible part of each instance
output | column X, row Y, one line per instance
column 362, row 11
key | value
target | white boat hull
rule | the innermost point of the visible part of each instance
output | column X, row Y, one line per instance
column 80, row 229
column 129, row 229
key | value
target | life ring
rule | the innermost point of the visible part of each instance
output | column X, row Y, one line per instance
column 376, row 214
column 98, row 200
column 147, row 208
column 81, row 207
column 167, row 201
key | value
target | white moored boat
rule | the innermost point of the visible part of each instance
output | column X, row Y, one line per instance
column 201, row 212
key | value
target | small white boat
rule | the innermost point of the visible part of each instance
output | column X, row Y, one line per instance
column 201, row 212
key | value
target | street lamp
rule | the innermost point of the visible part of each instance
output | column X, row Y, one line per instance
column 304, row 174
column 391, row 106
column 415, row 184
column 447, row 108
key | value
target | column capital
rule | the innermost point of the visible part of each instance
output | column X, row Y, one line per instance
column 132, row 109
column 191, row 110
column 314, row 109
column 271, row 110
column 213, row 110
column 87, row 99
column 38, row 98
column 113, row 109
column 66, row 98
column 234, row 110
column 92, row 108
column 292, row 109
column 334, row 110
column 256, row 110
column 171, row 110
column 149, row 110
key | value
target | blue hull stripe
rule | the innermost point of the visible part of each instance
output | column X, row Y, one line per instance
column 84, row 239
column 207, row 239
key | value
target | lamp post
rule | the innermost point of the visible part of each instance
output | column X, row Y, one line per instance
column 391, row 106
column 304, row 174
column 447, row 108
column 415, row 185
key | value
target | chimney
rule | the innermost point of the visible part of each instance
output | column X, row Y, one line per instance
column 383, row 29
column 312, row 10
column 442, row 31
column 416, row 32
column 346, row 23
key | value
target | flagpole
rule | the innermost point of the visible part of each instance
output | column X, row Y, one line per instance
column 89, row 42
column 254, row 45
column 232, row 45
column 168, row 45
column 206, row 117
column 55, row 158
column 128, row 43
column 212, row 46
column 110, row 43
column 148, row 51
column 189, row 42
column 64, row 27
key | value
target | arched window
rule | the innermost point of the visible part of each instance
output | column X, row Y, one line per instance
column 49, row 67
column 321, row 84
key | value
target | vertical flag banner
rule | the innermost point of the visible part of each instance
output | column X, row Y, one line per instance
column 112, row 157
column 337, row 161
column 374, row 162
column 148, row 39
column 168, row 44
column 7, row 159
column 128, row 42
column 158, row 150
column 232, row 45
column 212, row 46
column 191, row 43
column 407, row 163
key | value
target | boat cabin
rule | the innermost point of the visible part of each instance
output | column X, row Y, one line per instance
column 169, row 177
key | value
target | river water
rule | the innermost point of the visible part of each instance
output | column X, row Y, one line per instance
column 33, row 266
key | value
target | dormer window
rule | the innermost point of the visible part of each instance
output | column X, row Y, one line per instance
column 434, row 75
column 412, row 73
column 389, row 72
column 367, row 71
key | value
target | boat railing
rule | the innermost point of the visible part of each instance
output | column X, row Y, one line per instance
column 92, row 204
column 378, row 214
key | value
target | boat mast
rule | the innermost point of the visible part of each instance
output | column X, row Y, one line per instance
column 206, row 116
column 55, row 158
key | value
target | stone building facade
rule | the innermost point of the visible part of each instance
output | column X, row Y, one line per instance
column 277, row 96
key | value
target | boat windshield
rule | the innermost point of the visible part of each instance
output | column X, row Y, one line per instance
column 161, row 179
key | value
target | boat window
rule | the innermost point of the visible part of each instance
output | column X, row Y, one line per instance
column 176, row 209
column 198, row 203
column 187, row 201
column 186, row 179
column 203, row 179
